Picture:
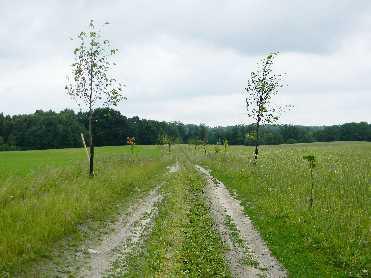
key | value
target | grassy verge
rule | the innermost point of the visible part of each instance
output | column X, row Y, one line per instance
column 43, row 207
column 329, row 240
column 184, row 241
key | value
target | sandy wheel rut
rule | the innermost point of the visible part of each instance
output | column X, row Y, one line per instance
column 247, row 253
column 127, row 231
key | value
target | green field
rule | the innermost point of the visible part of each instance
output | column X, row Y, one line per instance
column 332, row 238
column 47, row 198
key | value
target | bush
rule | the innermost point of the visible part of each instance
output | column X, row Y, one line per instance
column 291, row 141
column 6, row 147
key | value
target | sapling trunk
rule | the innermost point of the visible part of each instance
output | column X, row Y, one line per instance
column 91, row 146
column 92, row 84
column 311, row 189
column 256, row 153
column 312, row 163
column 262, row 85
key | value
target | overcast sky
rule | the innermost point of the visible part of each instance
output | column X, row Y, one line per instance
column 190, row 60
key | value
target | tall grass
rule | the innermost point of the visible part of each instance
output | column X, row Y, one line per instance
column 332, row 238
column 43, row 206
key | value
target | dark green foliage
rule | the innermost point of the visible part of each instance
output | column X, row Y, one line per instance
column 42, row 130
column 311, row 159
column 48, row 129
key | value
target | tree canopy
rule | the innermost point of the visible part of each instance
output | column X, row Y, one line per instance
column 48, row 129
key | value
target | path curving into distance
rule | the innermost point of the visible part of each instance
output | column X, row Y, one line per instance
column 109, row 258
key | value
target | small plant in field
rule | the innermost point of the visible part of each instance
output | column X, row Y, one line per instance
column 204, row 144
column 167, row 140
column 197, row 143
column 194, row 142
column 131, row 142
column 217, row 149
column 225, row 143
column 312, row 164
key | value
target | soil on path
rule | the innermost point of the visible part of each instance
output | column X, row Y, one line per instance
column 174, row 168
column 127, row 231
column 247, row 253
column 109, row 258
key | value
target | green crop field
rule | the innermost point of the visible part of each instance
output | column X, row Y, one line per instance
column 48, row 202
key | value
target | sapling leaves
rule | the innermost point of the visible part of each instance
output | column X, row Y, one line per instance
column 262, row 85
column 91, row 84
column 311, row 159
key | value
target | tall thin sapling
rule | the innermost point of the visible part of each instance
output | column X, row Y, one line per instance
column 261, row 87
column 225, row 143
column 92, row 84
column 312, row 164
column 167, row 140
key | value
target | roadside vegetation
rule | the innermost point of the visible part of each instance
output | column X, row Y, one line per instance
column 329, row 239
column 46, row 204
column 184, row 241
column 50, row 130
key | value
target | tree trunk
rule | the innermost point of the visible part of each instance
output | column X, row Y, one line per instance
column 91, row 145
column 169, row 148
column 256, row 153
column 311, row 188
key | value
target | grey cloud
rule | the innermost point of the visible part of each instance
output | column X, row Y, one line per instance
column 252, row 27
column 189, row 60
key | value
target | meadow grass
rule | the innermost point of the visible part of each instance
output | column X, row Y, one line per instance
column 47, row 196
column 50, row 196
column 22, row 163
column 184, row 241
column 329, row 240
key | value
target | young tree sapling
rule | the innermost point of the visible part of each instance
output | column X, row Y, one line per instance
column 92, row 83
column 261, row 87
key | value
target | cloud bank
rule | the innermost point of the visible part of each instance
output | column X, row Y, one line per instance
column 189, row 60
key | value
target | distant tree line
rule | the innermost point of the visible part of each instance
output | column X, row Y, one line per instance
column 48, row 129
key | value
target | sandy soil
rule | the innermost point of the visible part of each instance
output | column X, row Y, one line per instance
column 110, row 256
column 250, row 258
column 174, row 168
column 127, row 231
